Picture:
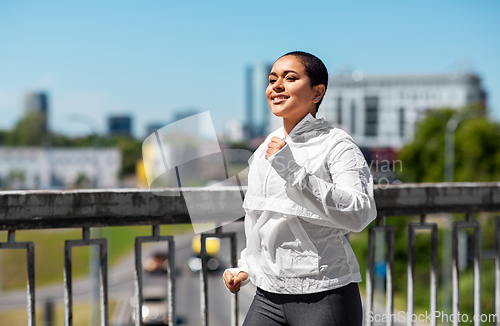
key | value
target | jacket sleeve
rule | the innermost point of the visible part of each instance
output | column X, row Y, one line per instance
column 345, row 203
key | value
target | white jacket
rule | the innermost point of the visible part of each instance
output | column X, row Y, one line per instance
column 299, row 205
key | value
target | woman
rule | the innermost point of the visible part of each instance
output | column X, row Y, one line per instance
column 309, row 185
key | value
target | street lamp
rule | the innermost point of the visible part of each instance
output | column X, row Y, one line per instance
column 92, row 124
column 449, row 141
column 449, row 176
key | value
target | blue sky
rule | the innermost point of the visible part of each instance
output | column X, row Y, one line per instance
column 152, row 58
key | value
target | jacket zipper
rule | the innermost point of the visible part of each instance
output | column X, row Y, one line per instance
column 265, row 180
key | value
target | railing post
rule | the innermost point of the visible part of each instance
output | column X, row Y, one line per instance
column 496, row 298
column 203, row 282
column 468, row 223
column 204, row 271
column 412, row 227
column 30, row 260
column 370, row 270
column 156, row 237
column 103, row 271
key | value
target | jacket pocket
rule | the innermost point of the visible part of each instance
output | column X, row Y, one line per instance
column 302, row 261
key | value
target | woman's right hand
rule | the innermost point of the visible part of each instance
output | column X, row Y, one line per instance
column 233, row 283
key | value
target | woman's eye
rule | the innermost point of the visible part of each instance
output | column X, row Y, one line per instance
column 290, row 78
column 271, row 81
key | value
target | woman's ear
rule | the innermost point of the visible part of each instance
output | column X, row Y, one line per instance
column 319, row 91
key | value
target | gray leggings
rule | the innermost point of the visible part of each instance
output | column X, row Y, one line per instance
column 337, row 307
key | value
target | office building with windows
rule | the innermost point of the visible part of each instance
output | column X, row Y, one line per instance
column 59, row 168
column 381, row 111
column 120, row 125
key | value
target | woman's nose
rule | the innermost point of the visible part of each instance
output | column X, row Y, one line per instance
column 278, row 85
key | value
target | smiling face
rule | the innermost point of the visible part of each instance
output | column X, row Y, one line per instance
column 289, row 93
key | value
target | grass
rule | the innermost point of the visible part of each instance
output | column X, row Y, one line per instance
column 81, row 315
column 49, row 252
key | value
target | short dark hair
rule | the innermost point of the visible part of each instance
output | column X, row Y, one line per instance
column 315, row 69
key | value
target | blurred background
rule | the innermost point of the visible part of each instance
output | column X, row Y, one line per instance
column 86, row 83
column 82, row 84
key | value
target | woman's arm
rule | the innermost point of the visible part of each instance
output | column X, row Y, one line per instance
column 345, row 203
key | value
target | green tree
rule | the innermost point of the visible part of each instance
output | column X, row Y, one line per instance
column 131, row 152
column 478, row 153
column 4, row 134
column 477, row 149
column 29, row 131
column 58, row 140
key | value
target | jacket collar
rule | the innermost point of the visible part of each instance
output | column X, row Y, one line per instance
column 307, row 128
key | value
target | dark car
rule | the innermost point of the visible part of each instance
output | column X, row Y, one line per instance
column 157, row 263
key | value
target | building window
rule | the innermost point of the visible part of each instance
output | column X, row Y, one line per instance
column 371, row 115
column 339, row 110
column 353, row 116
column 401, row 122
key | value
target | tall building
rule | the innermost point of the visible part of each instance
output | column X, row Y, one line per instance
column 381, row 111
column 259, row 118
column 37, row 102
column 120, row 125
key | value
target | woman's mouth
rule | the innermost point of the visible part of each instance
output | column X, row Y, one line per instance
column 277, row 99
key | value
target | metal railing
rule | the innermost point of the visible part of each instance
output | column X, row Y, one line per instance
column 21, row 210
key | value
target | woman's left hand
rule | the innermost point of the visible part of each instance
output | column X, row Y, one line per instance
column 274, row 146
column 233, row 282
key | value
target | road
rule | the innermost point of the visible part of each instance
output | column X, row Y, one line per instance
column 121, row 286
column 188, row 286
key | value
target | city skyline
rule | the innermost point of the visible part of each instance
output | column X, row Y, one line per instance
column 152, row 60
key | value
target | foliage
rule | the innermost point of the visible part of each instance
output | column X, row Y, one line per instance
column 29, row 131
column 478, row 153
column 82, row 181
column 477, row 149
column 3, row 136
column 238, row 145
column 131, row 150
